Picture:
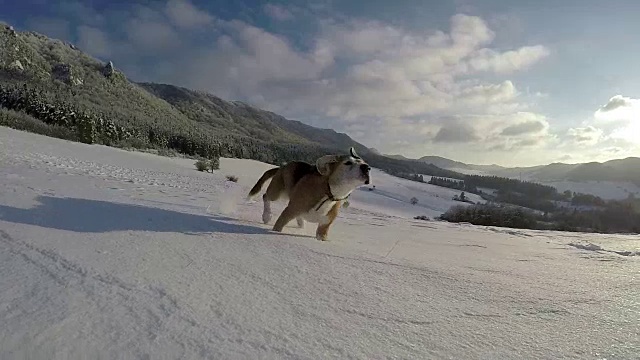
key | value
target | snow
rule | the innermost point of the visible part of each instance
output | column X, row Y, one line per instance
column 106, row 253
column 608, row 190
column 392, row 196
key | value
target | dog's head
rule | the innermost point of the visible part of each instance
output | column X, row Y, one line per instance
column 348, row 170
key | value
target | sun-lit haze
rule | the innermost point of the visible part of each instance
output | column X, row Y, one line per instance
column 498, row 82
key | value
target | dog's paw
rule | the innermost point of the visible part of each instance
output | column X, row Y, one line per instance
column 266, row 217
column 322, row 237
column 300, row 223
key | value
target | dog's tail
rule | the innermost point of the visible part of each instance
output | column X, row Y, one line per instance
column 258, row 186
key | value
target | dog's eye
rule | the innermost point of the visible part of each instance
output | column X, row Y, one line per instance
column 348, row 163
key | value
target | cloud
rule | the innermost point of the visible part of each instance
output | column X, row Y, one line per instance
column 456, row 134
column 94, row 41
column 588, row 135
column 151, row 35
column 82, row 11
column 617, row 102
column 507, row 62
column 528, row 127
column 184, row 14
column 278, row 12
column 52, row 27
column 565, row 157
column 619, row 109
column 619, row 118
column 487, row 94
column 610, row 132
column 391, row 87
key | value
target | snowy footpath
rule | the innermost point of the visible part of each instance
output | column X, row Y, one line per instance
column 109, row 254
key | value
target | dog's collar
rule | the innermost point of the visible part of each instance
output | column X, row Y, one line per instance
column 330, row 197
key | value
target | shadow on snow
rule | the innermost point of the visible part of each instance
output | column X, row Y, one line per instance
column 94, row 216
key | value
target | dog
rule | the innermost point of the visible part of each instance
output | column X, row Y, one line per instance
column 315, row 192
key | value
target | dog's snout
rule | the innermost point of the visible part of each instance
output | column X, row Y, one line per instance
column 365, row 168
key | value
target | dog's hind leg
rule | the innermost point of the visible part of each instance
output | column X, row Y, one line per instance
column 287, row 215
column 266, row 212
column 273, row 193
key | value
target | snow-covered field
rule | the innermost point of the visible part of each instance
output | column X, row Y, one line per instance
column 608, row 190
column 109, row 254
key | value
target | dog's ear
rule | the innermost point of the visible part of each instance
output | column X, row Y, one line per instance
column 322, row 164
column 352, row 151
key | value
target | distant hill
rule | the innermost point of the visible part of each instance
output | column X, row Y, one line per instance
column 615, row 170
column 241, row 119
column 38, row 73
column 620, row 170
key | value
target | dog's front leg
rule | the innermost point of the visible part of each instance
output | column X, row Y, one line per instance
column 287, row 215
column 322, row 232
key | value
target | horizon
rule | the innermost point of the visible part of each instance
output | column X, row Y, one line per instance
column 516, row 88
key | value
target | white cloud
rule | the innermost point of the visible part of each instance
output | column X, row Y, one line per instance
column 619, row 109
column 184, row 14
column 617, row 102
column 456, row 133
column 94, row 41
column 278, row 12
column 151, row 35
column 527, row 127
column 507, row 62
column 392, row 88
column 82, row 11
column 612, row 132
column 486, row 94
column 588, row 135
column 620, row 118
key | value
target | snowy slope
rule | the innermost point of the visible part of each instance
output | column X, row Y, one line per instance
column 112, row 254
column 608, row 190
column 392, row 196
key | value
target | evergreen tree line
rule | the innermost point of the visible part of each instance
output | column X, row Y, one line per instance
column 88, row 127
column 522, row 193
column 59, row 109
column 453, row 184
column 586, row 200
column 471, row 183
column 527, row 188
column 408, row 176
column 194, row 141
column 491, row 215
column 615, row 217
column 525, row 200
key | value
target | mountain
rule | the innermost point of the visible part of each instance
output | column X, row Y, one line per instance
column 619, row 170
column 627, row 169
column 244, row 120
column 449, row 164
column 400, row 157
column 55, row 83
column 445, row 163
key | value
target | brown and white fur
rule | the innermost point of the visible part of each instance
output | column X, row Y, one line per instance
column 315, row 192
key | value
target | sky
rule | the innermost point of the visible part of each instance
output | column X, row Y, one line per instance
column 484, row 82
